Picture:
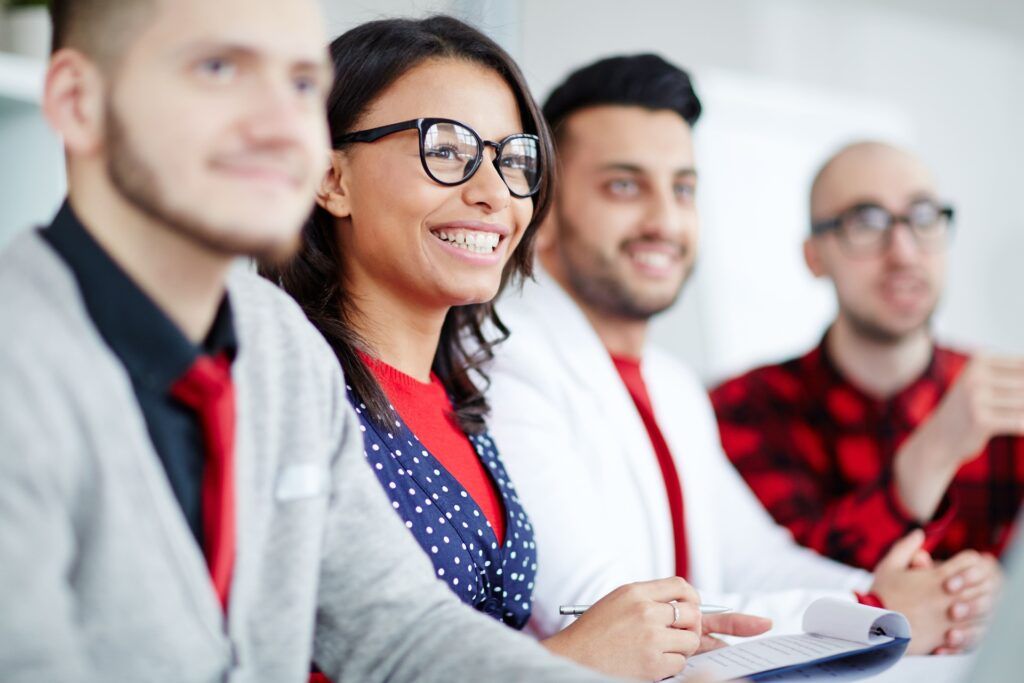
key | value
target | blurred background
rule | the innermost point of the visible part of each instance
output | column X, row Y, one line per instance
column 784, row 84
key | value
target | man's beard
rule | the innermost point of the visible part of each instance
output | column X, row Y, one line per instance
column 137, row 182
column 870, row 330
column 594, row 280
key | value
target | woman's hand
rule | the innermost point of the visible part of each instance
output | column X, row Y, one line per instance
column 634, row 632
column 733, row 624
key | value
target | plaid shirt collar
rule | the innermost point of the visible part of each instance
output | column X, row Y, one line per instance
column 908, row 407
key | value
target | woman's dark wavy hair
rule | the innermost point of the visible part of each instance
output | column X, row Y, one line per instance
column 367, row 60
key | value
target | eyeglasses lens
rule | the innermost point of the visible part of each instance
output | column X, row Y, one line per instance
column 519, row 164
column 451, row 152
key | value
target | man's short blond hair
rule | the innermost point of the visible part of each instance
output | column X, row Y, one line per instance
column 100, row 29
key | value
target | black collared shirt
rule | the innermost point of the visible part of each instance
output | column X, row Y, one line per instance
column 153, row 350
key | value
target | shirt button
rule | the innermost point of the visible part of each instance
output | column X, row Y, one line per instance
column 492, row 607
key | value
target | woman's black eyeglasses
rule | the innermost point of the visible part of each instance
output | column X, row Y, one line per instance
column 451, row 152
column 865, row 229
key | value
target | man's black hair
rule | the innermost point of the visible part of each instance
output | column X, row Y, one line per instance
column 644, row 80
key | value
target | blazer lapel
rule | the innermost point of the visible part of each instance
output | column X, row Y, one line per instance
column 594, row 373
column 152, row 494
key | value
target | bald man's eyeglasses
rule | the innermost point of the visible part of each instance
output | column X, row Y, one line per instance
column 866, row 229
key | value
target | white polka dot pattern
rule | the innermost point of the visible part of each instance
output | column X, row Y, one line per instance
column 449, row 525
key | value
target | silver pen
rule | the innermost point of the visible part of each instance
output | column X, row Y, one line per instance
column 577, row 610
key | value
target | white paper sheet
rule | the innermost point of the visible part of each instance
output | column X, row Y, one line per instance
column 766, row 654
column 854, row 622
column 835, row 628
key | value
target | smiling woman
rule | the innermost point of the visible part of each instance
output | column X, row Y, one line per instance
column 437, row 183
column 440, row 175
column 384, row 225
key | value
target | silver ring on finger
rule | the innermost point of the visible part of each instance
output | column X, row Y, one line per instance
column 675, row 613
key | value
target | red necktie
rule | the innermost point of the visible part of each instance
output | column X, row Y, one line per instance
column 629, row 371
column 206, row 388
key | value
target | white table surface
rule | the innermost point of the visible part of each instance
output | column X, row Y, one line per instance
column 934, row 669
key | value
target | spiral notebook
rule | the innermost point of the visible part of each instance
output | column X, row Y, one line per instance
column 837, row 634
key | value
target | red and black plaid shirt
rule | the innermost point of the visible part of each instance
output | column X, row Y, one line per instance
column 818, row 452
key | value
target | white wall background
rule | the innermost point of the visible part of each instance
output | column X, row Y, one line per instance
column 31, row 158
column 946, row 76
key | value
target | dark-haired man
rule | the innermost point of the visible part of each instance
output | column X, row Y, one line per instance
column 183, row 494
column 879, row 430
column 611, row 442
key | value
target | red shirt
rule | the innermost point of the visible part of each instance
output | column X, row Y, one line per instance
column 818, row 452
column 629, row 371
column 428, row 412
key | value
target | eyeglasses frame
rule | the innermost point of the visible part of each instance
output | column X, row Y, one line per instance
column 835, row 224
column 422, row 125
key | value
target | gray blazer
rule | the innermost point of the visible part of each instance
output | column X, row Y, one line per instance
column 100, row 578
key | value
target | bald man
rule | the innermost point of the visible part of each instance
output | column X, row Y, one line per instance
column 879, row 430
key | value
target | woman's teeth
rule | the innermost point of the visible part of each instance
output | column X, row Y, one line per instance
column 470, row 240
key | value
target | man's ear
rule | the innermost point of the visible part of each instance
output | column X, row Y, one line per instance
column 546, row 233
column 812, row 257
column 333, row 195
column 74, row 101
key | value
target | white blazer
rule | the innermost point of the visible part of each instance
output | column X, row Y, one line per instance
column 579, row 455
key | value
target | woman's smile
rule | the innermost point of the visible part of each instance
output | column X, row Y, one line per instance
column 481, row 243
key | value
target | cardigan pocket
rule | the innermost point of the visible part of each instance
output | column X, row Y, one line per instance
column 304, row 480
